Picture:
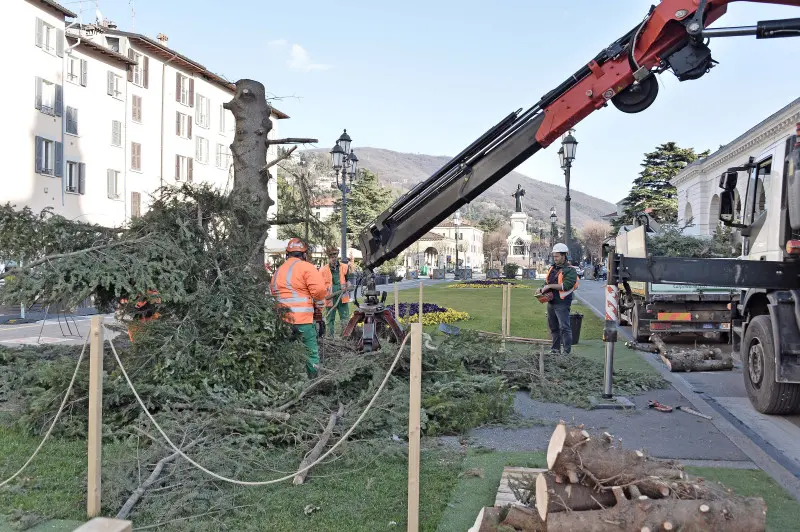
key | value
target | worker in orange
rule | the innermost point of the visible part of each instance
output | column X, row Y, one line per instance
column 336, row 275
column 144, row 310
column 298, row 285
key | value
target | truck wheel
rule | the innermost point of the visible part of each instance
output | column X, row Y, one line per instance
column 639, row 335
column 758, row 358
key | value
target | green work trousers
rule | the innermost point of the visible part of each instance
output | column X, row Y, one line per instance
column 308, row 334
column 343, row 309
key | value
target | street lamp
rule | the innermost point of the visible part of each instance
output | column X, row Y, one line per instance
column 566, row 154
column 553, row 218
column 343, row 158
column 457, row 224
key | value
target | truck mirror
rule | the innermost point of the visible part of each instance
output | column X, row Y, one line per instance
column 726, row 207
column 793, row 180
column 727, row 180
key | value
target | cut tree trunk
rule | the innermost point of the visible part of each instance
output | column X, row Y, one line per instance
column 249, row 149
column 552, row 496
column 523, row 519
column 596, row 463
column 699, row 359
column 730, row 515
column 317, row 450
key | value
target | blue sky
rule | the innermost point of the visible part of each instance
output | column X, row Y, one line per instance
column 430, row 77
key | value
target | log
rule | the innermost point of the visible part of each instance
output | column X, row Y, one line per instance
column 523, row 519
column 596, row 463
column 317, row 450
column 731, row 515
column 641, row 347
column 694, row 359
column 490, row 520
column 552, row 497
column 564, row 437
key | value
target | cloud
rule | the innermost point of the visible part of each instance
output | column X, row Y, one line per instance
column 299, row 59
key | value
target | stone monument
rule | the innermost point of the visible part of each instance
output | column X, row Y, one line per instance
column 519, row 240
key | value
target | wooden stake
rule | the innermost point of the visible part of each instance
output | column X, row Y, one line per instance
column 541, row 364
column 503, row 321
column 396, row 302
column 95, row 415
column 508, row 311
column 414, row 411
column 420, row 302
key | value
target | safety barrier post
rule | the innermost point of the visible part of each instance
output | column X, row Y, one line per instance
column 95, row 415
column 414, row 411
column 396, row 303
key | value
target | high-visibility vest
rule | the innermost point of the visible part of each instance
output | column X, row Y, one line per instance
column 563, row 293
column 327, row 276
column 297, row 284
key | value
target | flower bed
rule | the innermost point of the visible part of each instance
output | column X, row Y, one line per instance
column 486, row 283
column 432, row 314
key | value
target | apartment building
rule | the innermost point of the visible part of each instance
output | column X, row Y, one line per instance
column 116, row 116
column 469, row 240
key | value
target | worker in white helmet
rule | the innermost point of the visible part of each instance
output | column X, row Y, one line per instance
column 562, row 281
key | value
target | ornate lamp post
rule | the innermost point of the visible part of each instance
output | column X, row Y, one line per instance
column 566, row 154
column 343, row 158
column 456, row 224
column 553, row 219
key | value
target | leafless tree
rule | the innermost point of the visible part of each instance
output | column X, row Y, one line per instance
column 593, row 234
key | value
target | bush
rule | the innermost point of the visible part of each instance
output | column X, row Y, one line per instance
column 511, row 270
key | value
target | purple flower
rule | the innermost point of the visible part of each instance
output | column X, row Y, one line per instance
column 411, row 309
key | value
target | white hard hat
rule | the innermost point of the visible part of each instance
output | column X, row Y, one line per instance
column 560, row 248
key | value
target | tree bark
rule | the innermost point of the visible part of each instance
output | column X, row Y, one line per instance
column 553, row 497
column 317, row 450
column 730, row 515
column 249, row 149
column 701, row 359
column 523, row 519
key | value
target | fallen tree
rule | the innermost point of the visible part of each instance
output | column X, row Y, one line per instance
column 693, row 359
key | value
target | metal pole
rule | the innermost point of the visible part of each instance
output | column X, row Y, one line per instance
column 567, row 201
column 610, row 328
column 343, row 188
column 456, row 270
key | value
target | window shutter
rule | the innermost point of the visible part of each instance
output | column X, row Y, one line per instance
column 38, row 100
column 83, row 72
column 38, row 163
column 60, row 42
column 59, row 159
column 188, row 127
column 146, row 70
column 110, row 83
column 59, row 100
column 136, row 204
column 116, row 132
column 177, row 123
column 177, row 87
column 191, row 92
column 39, row 32
column 177, row 168
column 197, row 147
column 189, row 169
column 219, row 158
column 136, row 111
column 130, row 67
column 221, row 119
column 81, row 178
column 110, row 182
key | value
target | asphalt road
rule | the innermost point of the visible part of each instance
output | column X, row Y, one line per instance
column 777, row 437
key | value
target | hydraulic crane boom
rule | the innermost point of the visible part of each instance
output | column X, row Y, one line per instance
column 671, row 37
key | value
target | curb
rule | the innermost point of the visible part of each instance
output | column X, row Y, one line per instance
column 765, row 462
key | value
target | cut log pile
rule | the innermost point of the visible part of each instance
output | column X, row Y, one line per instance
column 594, row 485
column 699, row 358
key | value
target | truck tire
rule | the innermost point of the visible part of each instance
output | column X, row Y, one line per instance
column 639, row 335
column 758, row 358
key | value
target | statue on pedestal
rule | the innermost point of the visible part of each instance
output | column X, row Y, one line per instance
column 518, row 196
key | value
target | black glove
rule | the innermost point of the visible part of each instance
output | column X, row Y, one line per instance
column 320, row 329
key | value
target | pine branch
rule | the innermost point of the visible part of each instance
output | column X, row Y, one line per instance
column 285, row 155
column 294, row 140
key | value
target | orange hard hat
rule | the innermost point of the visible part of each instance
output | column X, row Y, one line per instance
column 296, row 245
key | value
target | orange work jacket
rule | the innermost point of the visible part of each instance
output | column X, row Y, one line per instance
column 327, row 276
column 563, row 293
column 297, row 284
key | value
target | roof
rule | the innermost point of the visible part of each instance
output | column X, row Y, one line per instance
column 744, row 135
column 432, row 237
column 168, row 54
column 449, row 223
column 58, row 7
column 111, row 54
column 323, row 202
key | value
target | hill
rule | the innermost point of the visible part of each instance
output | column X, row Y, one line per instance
column 403, row 170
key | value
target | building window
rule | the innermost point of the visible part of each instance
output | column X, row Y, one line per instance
column 116, row 133
column 113, row 43
column 136, row 156
column 223, row 118
column 202, row 113
column 223, row 156
column 49, row 97
column 72, row 121
column 114, row 85
column 49, row 157
column 136, row 204
column 112, row 179
column 201, row 150
column 76, row 178
column 139, row 73
column 136, row 109
column 184, row 89
column 76, row 70
column 183, row 125
column 183, row 168
column 49, row 38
